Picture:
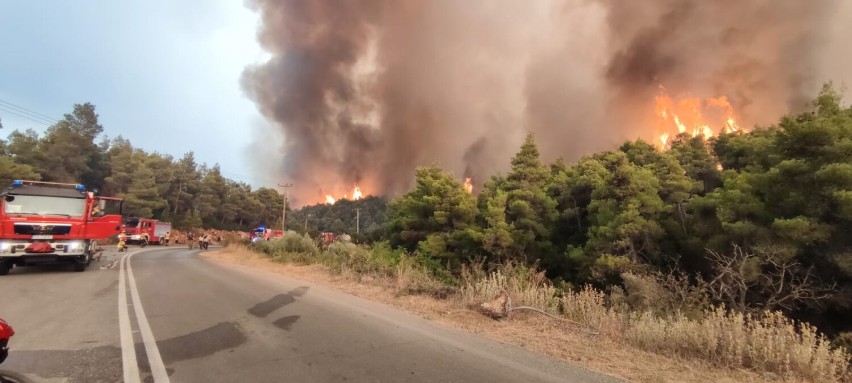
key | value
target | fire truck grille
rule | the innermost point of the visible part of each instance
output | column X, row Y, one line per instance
column 42, row 228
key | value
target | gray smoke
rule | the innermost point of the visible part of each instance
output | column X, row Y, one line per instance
column 760, row 54
column 365, row 91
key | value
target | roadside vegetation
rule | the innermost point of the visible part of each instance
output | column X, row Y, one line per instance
column 735, row 250
column 659, row 314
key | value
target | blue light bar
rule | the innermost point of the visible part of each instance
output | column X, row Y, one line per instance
column 17, row 183
column 81, row 187
column 261, row 228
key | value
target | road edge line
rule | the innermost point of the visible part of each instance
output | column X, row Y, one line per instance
column 129, row 364
column 158, row 368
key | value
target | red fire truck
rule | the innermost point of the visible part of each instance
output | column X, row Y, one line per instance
column 144, row 231
column 262, row 233
column 46, row 222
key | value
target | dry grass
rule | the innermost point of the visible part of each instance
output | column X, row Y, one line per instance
column 409, row 278
column 588, row 307
column 719, row 347
column 771, row 343
column 525, row 286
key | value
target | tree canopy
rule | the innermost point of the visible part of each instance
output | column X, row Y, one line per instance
column 154, row 185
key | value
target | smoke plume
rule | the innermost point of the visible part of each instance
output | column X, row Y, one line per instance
column 365, row 91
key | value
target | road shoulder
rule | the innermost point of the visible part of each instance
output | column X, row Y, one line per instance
column 532, row 332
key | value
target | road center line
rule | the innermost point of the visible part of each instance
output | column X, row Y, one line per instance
column 128, row 351
column 158, row 369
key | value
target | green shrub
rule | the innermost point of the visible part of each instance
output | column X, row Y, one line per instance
column 291, row 247
column 348, row 256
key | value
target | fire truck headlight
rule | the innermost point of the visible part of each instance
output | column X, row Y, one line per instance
column 4, row 246
column 74, row 246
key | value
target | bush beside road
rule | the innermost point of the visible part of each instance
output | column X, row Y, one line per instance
column 606, row 332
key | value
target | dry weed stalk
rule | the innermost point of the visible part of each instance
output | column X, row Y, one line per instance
column 781, row 282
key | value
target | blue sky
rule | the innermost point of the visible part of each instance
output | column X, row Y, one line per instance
column 164, row 74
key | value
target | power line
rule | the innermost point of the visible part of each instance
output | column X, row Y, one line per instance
column 42, row 122
column 25, row 113
column 3, row 108
column 28, row 111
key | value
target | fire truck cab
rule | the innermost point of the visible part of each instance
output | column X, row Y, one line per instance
column 49, row 223
column 144, row 231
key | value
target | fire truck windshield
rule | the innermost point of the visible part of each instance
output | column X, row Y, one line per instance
column 45, row 205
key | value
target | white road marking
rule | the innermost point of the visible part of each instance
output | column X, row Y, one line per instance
column 158, row 369
column 128, row 351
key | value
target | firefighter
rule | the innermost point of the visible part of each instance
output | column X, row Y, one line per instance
column 122, row 241
column 166, row 238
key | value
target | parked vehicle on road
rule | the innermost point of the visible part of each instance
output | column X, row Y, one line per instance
column 145, row 231
column 48, row 223
column 6, row 333
column 263, row 233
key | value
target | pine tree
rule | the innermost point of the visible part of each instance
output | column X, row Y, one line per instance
column 437, row 218
column 529, row 209
column 142, row 197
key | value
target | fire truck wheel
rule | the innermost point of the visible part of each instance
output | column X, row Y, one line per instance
column 81, row 264
column 5, row 266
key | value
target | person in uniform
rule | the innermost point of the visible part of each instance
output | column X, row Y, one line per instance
column 122, row 241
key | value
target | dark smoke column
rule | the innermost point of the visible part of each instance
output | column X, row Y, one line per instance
column 307, row 89
column 365, row 91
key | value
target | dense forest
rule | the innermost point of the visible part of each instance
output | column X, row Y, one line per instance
column 758, row 220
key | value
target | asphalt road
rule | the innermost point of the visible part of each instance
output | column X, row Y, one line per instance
column 186, row 319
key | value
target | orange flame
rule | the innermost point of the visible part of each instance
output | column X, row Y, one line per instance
column 330, row 199
column 690, row 114
column 706, row 132
column 468, row 185
column 730, row 125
